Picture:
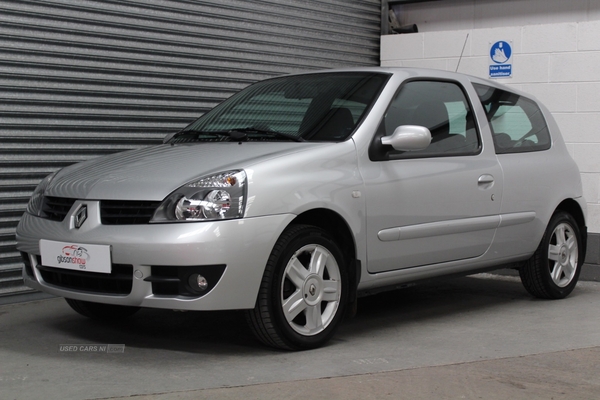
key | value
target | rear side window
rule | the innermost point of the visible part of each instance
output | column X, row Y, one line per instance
column 516, row 122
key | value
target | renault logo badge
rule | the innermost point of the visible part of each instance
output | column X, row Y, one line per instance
column 80, row 216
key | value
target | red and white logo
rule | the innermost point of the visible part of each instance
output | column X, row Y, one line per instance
column 74, row 254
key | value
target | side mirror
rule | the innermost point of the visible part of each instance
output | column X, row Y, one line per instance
column 408, row 138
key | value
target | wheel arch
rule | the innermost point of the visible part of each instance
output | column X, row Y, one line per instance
column 572, row 207
column 339, row 229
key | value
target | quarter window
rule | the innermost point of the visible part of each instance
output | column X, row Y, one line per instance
column 516, row 122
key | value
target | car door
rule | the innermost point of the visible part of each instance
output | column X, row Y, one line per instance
column 434, row 205
column 532, row 166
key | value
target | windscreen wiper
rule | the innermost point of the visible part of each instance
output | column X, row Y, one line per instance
column 268, row 132
column 236, row 134
column 195, row 134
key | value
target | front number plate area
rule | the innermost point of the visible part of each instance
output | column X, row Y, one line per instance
column 76, row 256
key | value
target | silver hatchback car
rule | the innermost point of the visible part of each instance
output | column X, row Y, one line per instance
column 300, row 193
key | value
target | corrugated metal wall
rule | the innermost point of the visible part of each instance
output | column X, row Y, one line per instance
column 79, row 79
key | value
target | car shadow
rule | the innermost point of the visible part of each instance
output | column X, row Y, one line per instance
column 223, row 332
column 433, row 300
column 192, row 331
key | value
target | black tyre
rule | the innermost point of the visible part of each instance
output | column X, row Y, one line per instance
column 553, row 270
column 303, row 291
column 104, row 312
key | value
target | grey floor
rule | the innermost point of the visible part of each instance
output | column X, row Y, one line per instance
column 472, row 337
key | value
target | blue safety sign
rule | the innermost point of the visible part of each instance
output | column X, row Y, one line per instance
column 501, row 57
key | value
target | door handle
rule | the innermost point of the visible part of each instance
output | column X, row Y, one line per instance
column 485, row 181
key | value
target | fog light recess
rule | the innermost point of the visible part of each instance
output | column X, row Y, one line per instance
column 198, row 283
column 187, row 281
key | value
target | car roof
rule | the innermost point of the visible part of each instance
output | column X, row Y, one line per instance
column 413, row 72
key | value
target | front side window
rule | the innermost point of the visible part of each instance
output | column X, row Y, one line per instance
column 314, row 107
column 516, row 122
column 440, row 106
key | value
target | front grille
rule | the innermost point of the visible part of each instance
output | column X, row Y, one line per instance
column 123, row 212
column 56, row 208
column 118, row 282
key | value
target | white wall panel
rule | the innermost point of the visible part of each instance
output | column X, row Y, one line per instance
column 587, row 156
column 587, row 36
column 575, row 67
column 485, row 14
column 444, row 44
column 591, row 185
column 588, row 98
column 552, row 38
column 558, row 97
column 556, row 57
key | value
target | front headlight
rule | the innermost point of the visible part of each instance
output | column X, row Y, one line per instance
column 34, row 206
column 214, row 197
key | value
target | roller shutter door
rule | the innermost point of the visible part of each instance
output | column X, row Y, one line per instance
column 80, row 79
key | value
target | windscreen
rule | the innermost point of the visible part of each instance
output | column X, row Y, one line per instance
column 312, row 107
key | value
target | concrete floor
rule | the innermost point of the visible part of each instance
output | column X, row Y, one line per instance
column 474, row 337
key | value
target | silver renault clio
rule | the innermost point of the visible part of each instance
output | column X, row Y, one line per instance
column 300, row 193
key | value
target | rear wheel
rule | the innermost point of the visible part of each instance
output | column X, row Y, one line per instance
column 303, row 292
column 104, row 312
column 553, row 270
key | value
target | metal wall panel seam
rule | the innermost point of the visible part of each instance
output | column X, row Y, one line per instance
column 169, row 27
column 224, row 14
column 83, row 79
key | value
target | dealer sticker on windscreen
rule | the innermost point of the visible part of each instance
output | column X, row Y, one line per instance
column 76, row 256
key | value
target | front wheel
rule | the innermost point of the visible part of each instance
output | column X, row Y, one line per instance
column 553, row 270
column 303, row 291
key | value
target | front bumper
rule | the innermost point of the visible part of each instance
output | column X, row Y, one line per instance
column 241, row 246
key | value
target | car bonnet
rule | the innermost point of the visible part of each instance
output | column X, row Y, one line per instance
column 153, row 173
